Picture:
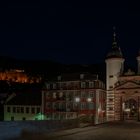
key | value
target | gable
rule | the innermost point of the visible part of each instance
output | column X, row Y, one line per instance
column 128, row 85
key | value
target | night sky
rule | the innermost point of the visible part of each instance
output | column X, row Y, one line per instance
column 69, row 32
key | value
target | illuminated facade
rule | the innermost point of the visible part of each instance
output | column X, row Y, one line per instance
column 21, row 112
column 123, row 88
column 24, row 105
column 73, row 96
column 18, row 76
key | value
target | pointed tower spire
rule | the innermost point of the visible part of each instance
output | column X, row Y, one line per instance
column 114, row 44
column 116, row 50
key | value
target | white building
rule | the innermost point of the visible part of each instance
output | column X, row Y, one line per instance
column 24, row 105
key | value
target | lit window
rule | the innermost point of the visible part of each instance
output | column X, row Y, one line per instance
column 54, row 95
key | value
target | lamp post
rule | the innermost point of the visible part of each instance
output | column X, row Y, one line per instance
column 77, row 100
column 89, row 101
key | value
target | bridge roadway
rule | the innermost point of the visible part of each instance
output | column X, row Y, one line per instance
column 129, row 130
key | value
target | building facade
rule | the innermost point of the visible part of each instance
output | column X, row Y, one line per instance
column 22, row 112
column 24, row 104
column 123, row 88
column 72, row 96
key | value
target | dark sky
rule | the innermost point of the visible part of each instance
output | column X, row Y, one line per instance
column 69, row 32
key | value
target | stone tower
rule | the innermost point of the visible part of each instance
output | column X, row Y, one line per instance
column 114, row 68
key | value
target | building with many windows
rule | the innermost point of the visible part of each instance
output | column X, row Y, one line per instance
column 24, row 104
column 72, row 96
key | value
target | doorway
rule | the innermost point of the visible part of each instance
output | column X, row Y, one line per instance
column 130, row 110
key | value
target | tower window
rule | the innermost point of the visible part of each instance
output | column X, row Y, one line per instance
column 110, row 100
column 110, row 76
column 110, row 87
column 110, row 108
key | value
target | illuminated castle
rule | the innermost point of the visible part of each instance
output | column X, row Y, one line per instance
column 18, row 76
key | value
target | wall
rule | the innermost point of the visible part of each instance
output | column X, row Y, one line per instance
column 20, row 116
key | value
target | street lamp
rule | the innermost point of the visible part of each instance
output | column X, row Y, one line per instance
column 77, row 100
column 89, row 100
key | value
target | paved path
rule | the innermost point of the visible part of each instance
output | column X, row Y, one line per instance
column 111, row 131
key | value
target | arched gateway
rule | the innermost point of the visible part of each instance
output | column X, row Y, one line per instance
column 127, row 98
column 130, row 109
column 123, row 88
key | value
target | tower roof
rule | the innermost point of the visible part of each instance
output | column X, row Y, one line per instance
column 115, row 51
